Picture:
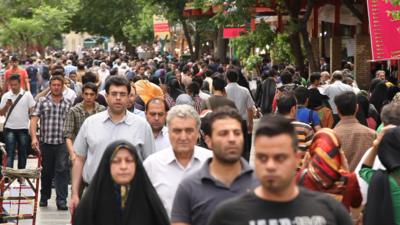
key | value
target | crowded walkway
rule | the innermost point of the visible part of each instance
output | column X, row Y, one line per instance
column 124, row 140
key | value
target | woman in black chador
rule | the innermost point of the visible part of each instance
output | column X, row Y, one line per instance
column 121, row 192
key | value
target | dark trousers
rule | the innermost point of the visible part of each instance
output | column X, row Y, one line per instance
column 246, row 142
column 55, row 165
column 12, row 137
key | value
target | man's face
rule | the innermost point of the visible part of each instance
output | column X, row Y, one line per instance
column 141, row 70
column 117, row 99
column 275, row 162
column 381, row 75
column 132, row 98
column 89, row 96
column 183, row 134
column 156, row 115
column 72, row 76
column 15, row 86
column 226, row 140
column 14, row 64
column 56, row 87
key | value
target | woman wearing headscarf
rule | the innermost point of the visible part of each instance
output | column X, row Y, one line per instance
column 121, row 192
column 173, row 91
column 326, row 170
column 316, row 103
column 383, row 201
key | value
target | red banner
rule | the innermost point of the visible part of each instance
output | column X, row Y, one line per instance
column 384, row 29
column 233, row 32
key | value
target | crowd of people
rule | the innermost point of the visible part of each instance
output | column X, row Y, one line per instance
column 167, row 141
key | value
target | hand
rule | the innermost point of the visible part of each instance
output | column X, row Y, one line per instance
column 381, row 134
column 35, row 144
column 73, row 203
column 9, row 103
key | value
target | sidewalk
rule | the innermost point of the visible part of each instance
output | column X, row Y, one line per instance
column 48, row 215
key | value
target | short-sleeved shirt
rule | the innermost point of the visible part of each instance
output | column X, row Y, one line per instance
column 52, row 117
column 165, row 172
column 76, row 117
column 307, row 116
column 241, row 97
column 309, row 207
column 333, row 90
column 366, row 173
column 19, row 117
column 98, row 131
column 23, row 75
column 199, row 194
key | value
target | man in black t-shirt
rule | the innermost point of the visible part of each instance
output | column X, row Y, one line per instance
column 278, row 200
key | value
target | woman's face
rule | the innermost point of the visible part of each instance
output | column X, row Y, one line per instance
column 123, row 167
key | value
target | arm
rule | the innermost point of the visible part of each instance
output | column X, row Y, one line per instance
column 77, row 169
column 32, row 131
column 250, row 115
column 369, row 161
column 3, row 111
column 68, row 143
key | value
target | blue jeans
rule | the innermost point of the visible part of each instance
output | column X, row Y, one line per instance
column 12, row 137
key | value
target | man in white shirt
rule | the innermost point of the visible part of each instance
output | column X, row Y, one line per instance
column 17, row 120
column 167, row 168
column 156, row 114
column 336, row 87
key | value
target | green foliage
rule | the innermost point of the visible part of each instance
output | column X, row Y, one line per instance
column 33, row 22
column 259, row 38
column 281, row 50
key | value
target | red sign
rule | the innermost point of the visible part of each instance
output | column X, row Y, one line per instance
column 233, row 32
column 384, row 29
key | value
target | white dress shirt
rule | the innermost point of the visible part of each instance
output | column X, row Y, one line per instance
column 165, row 172
column 162, row 140
column 332, row 90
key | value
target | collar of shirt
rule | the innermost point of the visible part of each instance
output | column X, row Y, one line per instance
column 50, row 98
column 348, row 121
column 163, row 133
column 232, row 84
column 170, row 158
column 19, row 93
column 127, row 119
column 206, row 175
column 81, row 107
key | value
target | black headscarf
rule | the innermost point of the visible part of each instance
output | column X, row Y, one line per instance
column 379, row 209
column 267, row 96
column 100, row 204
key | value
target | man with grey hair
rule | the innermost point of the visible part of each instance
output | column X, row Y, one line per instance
column 68, row 68
column 168, row 167
column 381, row 75
column 335, row 88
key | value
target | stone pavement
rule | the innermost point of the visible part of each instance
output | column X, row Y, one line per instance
column 45, row 216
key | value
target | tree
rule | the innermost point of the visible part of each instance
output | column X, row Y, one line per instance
column 110, row 18
column 23, row 26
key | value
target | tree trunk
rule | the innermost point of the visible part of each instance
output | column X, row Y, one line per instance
column 295, row 44
column 305, row 36
column 197, row 45
column 222, row 46
column 187, row 36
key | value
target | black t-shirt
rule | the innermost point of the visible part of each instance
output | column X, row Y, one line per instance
column 308, row 208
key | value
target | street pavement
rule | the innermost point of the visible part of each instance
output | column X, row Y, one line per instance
column 45, row 216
